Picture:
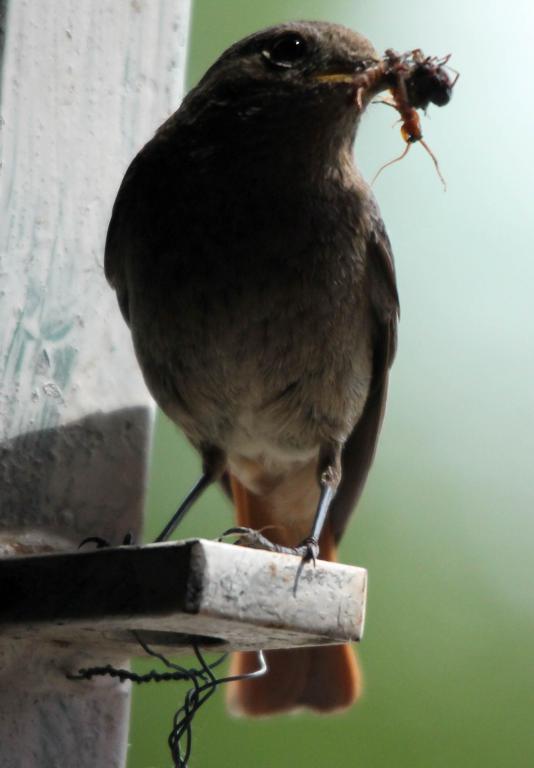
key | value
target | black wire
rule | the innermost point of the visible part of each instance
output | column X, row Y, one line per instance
column 193, row 702
column 204, row 685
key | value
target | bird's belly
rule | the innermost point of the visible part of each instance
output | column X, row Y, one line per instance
column 261, row 362
column 268, row 394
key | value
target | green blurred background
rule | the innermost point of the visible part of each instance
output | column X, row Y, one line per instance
column 445, row 526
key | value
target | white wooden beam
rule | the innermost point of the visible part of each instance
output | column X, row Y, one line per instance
column 219, row 595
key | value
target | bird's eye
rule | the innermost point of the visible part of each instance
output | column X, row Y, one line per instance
column 286, row 51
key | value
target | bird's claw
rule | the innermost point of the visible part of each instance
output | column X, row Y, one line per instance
column 308, row 550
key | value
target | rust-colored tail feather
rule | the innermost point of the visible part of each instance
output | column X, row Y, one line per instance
column 322, row 678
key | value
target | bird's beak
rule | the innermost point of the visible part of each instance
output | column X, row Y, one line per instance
column 347, row 72
column 335, row 77
column 367, row 79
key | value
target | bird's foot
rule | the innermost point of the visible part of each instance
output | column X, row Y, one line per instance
column 308, row 550
column 248, row 537
column 101, row 543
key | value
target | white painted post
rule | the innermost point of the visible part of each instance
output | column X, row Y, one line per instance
column 84, row 84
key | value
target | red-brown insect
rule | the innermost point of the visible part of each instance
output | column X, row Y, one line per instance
column 414, row 82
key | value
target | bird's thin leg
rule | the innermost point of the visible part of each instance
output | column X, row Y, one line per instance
column 214, row 463
column 329, row 476
column 196, row 491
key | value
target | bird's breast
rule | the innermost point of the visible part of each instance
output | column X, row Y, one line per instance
column 257, row 335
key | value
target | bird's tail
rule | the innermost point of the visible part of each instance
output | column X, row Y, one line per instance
column 321, row 678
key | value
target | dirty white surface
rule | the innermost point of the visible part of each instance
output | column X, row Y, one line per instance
column 84, row 85
column 239, row 598
column 268, row 594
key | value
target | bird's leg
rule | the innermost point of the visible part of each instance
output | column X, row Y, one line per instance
column 329, row 477
column 213, row 466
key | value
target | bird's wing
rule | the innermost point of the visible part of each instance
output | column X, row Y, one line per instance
column 133, row 223
column 118, row 238
column 359, row 449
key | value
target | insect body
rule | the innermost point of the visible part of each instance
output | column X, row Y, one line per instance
column 428, row 81
column 414, row 82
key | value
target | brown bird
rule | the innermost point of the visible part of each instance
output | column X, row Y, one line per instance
column 251, row 263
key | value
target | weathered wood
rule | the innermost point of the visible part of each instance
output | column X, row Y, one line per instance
column 84, row 84
column 222, row 595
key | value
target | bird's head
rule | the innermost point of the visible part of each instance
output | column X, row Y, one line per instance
column 296, row 79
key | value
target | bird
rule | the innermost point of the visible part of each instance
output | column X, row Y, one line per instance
column 252, row 265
